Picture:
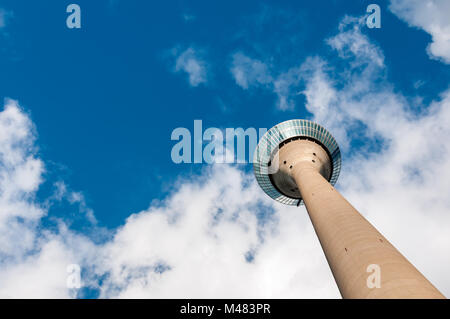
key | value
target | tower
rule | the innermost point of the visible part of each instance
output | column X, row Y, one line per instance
column 298, row 162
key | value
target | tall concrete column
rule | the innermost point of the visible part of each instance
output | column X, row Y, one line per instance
column 349, row 241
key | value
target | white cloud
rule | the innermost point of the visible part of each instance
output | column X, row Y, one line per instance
column 188, row 17
column 202, row 234
column 249, row 72
column 191, row 62
column 285, row 87
column 433, row 17
column 5, row 15
column 33, row 260
column 41, row 275
column 20, row 175
column 352, row 45
column 330, row 106
column 349, row 43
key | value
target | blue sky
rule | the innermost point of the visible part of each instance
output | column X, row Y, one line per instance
column 104, row 99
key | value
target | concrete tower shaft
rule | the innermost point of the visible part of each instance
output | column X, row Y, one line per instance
column 349, row 241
